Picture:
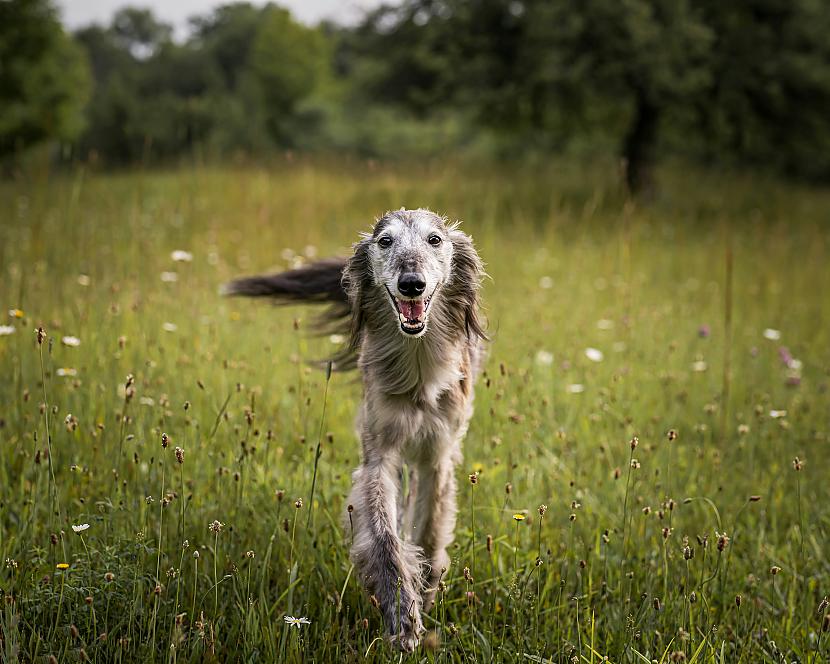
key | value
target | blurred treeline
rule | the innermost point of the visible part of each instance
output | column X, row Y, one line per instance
column 730, row 82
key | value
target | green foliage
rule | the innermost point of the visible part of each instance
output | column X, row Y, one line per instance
column 573, row 265
column 44, row 77
column 745, row 82
column 287, row 61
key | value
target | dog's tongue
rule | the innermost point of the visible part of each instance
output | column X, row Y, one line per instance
column 412, row 309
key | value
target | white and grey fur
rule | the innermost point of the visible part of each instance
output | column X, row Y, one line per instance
column 418, row 376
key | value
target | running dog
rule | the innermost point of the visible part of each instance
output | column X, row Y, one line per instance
column 407, row 301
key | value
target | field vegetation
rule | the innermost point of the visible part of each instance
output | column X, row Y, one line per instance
column 650, row 446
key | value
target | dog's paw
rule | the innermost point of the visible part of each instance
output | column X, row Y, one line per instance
column 406, row 642
column 410, row 635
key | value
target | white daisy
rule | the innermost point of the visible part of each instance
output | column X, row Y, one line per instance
column 81, row 528
column 776, row 414
column 67, row 372
column 297, row 622
column 181, row 256
column 5, row 330
column 594, row 354
column 771, row 334
column 71, row 341
column 544, row 357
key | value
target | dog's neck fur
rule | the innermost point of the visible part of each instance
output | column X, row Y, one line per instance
column 418, row 368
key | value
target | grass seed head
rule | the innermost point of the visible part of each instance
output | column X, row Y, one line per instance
column 40, row 334
column 179, row 455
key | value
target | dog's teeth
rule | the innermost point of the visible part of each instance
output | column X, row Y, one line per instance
column 403, row 318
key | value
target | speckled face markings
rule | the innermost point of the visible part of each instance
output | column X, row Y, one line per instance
column 411, row 257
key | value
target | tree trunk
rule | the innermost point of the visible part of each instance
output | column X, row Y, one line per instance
column 639, row 145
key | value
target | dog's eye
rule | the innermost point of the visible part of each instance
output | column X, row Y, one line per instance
column 434, row 240
column 385, row 242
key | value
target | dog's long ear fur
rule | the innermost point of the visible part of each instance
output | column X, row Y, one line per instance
column 357, row 280
column 465, row 282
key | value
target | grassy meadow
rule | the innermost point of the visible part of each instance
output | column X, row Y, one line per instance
column 699, row 324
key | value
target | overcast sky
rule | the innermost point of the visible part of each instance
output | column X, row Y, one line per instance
column 77, row 13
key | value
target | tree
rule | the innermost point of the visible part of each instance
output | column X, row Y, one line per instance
column 44, row 77
column 287, row 60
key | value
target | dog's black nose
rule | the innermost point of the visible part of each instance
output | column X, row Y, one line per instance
column 411, row 284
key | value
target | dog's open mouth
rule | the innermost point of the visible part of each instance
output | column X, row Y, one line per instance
column 412, row 313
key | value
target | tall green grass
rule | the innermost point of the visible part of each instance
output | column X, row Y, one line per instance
column 704, row 546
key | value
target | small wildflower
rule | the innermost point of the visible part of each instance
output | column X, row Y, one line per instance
column 743, row 429
column 181, row 256
column 40, row 333
column 738, row 600
column 671, row 435
column 594, row 354
column 250, row 555
column 798, row 464
column 772, row 334
column 474, row 478
column 165, row 440
column 67, row 372
column 62, row 566
column 81, row 528
column 216, row 526
column 109, row 577
column 518, row 517
column 73, row 342
column 544, row 358
column 6, row 330
column 777, row 414
column 16, row 313
column 723, row 541
column 179, row 455
column 542, row 510
column 774, row 570
column 575, row 388
column 635, row 464
column 298, row 503
column 634, row 442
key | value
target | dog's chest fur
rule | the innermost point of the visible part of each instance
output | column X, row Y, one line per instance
column 416, row 391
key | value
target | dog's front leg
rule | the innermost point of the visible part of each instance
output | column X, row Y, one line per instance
column 434, row 522
column 388, row 566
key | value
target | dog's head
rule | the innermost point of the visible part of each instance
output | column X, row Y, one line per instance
column 414, row 259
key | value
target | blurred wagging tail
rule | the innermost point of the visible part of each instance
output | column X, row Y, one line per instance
column 408, row 302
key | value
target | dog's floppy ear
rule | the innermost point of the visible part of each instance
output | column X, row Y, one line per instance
column 356, row 281
column 465, row 281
